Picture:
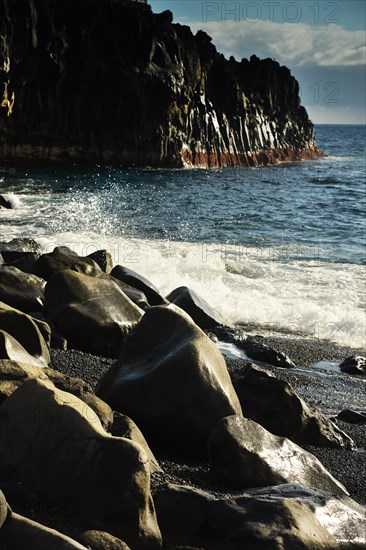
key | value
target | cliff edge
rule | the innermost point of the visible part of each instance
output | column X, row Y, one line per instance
column 109, row 81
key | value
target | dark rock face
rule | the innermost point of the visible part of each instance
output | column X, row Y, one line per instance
column 110, row 81
column 200, row 311
column 355, row 364
column 4, row 203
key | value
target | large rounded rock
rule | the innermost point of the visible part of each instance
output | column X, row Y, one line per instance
column 136, row 280
column 355, row 364
column 93, row 313
column 21, row 290
column 22, row 260
column 54, row 443
column 3, row 509
column 200, row 311
column 189, row 517
column 21, row 244
column 275, row 405
column 33, row 335
column 103, row 258
column 244, row 454
column 64, row 258
column 14, row 374
column 172, row 380
column 100, row 540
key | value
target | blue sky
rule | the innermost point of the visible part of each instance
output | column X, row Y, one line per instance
column 322, row 42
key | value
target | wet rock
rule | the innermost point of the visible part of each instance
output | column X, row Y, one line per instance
column 14, row 374
column 100, row 540
column 30, row 333
column 136, row 280
column 21, row 244
column 352, row 417
column 244, row 454
column 356, row 364
column 21, row 290
column 22, row 260
column 195, row 518
column 53, row 442
column 18, row 532
column 103, row 258
column 3, row 509
column 64, row 258
column 265, row 354
column 195, row 107
column 277, row 407
column 202, row 314
column 172, row 380
column 343, row 518
column 91, row 312
column 123, row 426
column 4, row 203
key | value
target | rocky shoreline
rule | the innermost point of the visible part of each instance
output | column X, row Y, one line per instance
column 230, row 450
column 113, row 83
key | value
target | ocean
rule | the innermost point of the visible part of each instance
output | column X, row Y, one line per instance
column 276, row 250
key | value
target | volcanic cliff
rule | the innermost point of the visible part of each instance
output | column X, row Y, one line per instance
column 109, row 81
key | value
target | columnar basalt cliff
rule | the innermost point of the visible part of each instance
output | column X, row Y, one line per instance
column 109, row 81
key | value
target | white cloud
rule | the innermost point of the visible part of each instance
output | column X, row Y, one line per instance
column 296, row 44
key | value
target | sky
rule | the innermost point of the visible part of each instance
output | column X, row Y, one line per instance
column 322, row 42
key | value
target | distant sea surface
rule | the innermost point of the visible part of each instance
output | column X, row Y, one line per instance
column 279, row 250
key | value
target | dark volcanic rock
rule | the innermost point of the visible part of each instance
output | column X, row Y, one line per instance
column 244, row 454
column 22, row 260
column 54, row 443
column 4, row 203
column 103, row 258
column 109, row 81
column 136, row 280
column 93, row 313
column 100, row 540
column 21, row 290
column 200, row 311
column 356, row 364
column 191, row 517
column 275, row 405
column 352, row 417
column 64, row 258
column 21, row 244
column 171, row 379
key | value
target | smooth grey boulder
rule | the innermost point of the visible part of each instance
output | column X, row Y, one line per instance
column 22, row 260
column 190, row 517
column 103, row 258
column 343, row 518
column 265, row 354
column 200, row 311
column 355, row 364
column 100, row 540
column 244, row 454
column 54, row 443
column 171, row 379
column 32, row 334
column 93, row 313
column 63, row 258
column 14, row 374
column 275, row 405
column 139, row 282
column 21, row 290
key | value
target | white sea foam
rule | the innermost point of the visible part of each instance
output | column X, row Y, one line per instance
column 274, row 292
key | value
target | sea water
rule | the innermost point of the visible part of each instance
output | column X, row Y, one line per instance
column 278, row 250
